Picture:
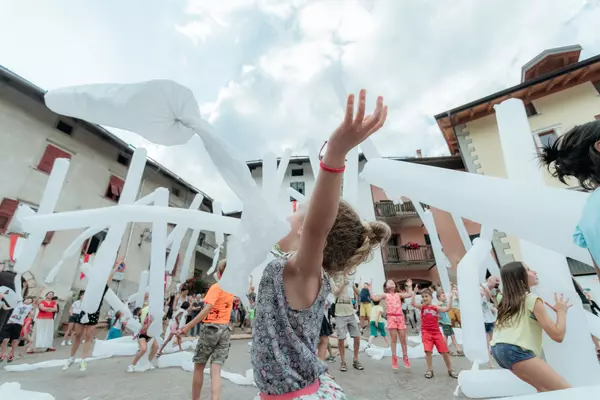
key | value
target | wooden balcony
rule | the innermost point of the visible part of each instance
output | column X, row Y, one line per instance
column 399, row 257
column 397, row 214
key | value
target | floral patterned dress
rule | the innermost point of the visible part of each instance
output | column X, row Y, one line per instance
column 284, row 348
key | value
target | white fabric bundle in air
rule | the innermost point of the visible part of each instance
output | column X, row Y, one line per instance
column 126, row 346
column 158, row 110
column 166, row 113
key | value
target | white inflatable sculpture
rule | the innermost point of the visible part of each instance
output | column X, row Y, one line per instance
column 505, row 205
column 166, row 113
column 575, row 358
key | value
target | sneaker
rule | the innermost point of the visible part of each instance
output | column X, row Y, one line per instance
column 394, row 362
column 331, row 359
column 63, row 343
column 70, row 342
column 131, row 368
column 406, row 362
column 152, row 366
column 83, row 365
column 70, row 362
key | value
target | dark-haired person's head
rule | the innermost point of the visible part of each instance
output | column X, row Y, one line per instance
column 185, row 305
column 576, row 154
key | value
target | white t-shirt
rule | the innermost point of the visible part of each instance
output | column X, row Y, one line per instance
column 76, row 308
column 489, row 316
column 19, row 313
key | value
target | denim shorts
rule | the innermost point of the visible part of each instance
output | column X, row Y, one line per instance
column 507, row 355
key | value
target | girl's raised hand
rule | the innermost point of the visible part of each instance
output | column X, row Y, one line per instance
column 356, row 128
column 560, row 303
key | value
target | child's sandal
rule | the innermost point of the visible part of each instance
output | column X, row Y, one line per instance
column 357, row 365
column 452, row 374
column 343, row 367
column 429, row 374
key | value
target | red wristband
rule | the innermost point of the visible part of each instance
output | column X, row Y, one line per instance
column 332, row 170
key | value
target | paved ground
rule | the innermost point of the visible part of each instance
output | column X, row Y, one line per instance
column 107, row 379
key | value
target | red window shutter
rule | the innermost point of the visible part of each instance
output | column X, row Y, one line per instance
column 50, row 155
column 48, row 237
column 115, row 187
column 8, row 207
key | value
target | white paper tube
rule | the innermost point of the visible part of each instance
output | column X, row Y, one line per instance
column 216, row 255
column 282, row 168
column 350, row 189
column 502, row 204
column 116, row 304
column 369, row 150
column 218, row 210
column 88, row 233
column 189, row 255
column 574, row 358
column 269, row 176
column 485, row 384
column 474, row 338
column 47, row 205
column 142, row 288
column 178, row 234
column 462, row 232
column 10, row 296
column 313, row 156
column 107, row 253
column 132, row 213
column 157, row 266
column 436, row 245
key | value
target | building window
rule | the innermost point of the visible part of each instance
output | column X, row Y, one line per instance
column 298, row 186
column 176, row 191
column 297, row 172
column 8, row 207
column 114, row 189
column 50, row 155
column 547, row 138
column 201, row 238
column 64, row 127
column 123, row 159
column 530, row 110
column 597, row 86
column 427, row 240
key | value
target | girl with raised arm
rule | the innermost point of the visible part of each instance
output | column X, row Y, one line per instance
column 522, row 317
column 331, row 241
column 395, row 318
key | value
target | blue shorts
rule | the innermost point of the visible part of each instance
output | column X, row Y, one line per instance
column 507, row 355
column 489, row 327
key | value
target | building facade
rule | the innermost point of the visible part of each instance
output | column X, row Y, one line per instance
column 559, row 92
column 33, row 137
column 408, row 254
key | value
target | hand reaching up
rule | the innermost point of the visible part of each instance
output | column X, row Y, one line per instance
column 356, row 128
column 560, row 303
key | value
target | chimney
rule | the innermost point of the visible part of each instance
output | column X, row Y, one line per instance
column 419, row 153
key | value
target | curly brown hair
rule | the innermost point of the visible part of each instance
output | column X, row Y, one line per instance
column 351, row 241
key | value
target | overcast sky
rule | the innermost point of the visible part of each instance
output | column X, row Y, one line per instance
column 269, row 73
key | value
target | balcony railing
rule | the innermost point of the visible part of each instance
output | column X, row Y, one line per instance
column 401, row 255
column 387, row 209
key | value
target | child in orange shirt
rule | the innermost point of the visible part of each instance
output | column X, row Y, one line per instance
column 214, row 338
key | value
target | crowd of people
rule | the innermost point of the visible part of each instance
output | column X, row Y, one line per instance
column 307, row 296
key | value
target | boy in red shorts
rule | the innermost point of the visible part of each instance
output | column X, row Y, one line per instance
column 430, row 330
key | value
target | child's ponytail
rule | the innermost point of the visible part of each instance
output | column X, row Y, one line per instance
column 574, row 154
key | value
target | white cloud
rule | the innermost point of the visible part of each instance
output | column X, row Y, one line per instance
column 271, row 74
